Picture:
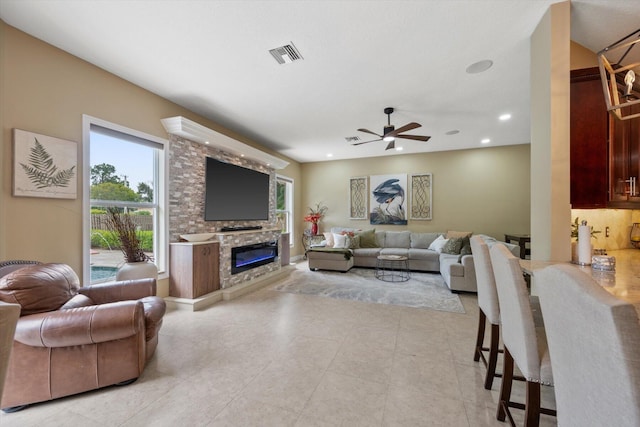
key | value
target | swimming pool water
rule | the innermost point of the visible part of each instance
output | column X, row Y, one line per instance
column 102, row 273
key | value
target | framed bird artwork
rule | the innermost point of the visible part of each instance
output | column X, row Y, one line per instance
column 388, row 199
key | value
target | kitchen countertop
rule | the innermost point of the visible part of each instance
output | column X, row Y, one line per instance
column 624, row 283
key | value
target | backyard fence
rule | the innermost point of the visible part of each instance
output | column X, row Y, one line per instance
column 142, row 222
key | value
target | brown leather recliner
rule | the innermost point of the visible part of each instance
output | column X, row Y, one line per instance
column 70, row 339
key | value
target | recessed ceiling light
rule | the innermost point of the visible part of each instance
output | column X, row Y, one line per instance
column 485, row 141
column 241, row 155
column 398, row 148
column 329, row 155
column 504, row 117
column 479, row 66
column 206, row 142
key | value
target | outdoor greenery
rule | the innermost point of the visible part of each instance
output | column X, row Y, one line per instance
column 107, row 185
column 104, row 239
column 121, row 231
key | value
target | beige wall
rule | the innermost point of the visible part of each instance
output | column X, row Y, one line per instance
column 46, row 90
column 482, row 190
column 581, row 57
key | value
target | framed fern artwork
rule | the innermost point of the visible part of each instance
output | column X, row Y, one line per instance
column 44, row 166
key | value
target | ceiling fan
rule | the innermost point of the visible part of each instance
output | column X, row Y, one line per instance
column 390, row 133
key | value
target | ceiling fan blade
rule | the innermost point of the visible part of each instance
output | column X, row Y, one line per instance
column 368, row 131
column 391, row 145
column 415, row 137
column 366, row 142
column 405, row 128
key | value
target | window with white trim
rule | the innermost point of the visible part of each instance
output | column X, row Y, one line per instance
column 125, row 170
column 284, row 203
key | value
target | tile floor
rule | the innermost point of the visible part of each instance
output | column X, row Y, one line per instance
column 278, row 359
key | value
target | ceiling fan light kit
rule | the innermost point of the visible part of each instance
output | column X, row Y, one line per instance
column 390, row 133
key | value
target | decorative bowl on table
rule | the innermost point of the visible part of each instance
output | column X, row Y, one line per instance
column 197, row 237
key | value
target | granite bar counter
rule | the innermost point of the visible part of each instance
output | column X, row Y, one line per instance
column 624, row 282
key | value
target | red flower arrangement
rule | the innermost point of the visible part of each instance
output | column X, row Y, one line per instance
column 312, row 218
column 315, row 214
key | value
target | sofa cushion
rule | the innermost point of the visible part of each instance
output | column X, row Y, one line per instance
column 397, row 239
column 423, row 254
column 423, row 240
column 380, row 238
column 39, row 288
column 368, row 238
column 453, row 246
column 79, row 300
column 395, row 251
column 366, row 252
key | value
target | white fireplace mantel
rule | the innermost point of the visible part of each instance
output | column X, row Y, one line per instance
column 193, row 131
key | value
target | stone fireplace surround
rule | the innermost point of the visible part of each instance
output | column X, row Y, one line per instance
column 186, row 206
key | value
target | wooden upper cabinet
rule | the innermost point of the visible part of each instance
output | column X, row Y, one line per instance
column 589, row 132
column 624, row 161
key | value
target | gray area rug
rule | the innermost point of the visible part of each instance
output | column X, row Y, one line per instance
column 423, row 290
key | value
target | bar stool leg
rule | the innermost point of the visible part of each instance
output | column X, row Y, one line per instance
column 532, row 407
column 482, row 320
column 493, row 356
column 505, row 388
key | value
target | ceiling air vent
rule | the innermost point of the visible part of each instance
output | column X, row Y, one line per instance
column 351, row 139
column 286, row 54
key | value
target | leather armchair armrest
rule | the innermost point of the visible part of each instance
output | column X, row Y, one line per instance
column 82, row 325
column 120, row 291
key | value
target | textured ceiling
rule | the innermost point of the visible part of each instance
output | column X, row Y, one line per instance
column 359, row 57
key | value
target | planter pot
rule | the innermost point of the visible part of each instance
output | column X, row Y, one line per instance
column 137, row 270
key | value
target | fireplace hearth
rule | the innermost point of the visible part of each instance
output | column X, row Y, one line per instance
column 246, row 257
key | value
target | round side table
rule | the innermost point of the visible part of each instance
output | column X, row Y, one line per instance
column 392, row 268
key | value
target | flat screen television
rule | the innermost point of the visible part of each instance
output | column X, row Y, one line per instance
column 235, row 193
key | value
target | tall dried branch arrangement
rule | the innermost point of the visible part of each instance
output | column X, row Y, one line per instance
column 130, row 244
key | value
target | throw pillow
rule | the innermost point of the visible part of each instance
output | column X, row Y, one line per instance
column 438, row 244
column 329, row 238
column 368, row 239
column 466, row 246
column 451, row 234
column 466, row 250
column 453, row 246
column 353, row 242
column 340, row 241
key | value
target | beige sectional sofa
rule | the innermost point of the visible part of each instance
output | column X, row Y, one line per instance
column 457, row 269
